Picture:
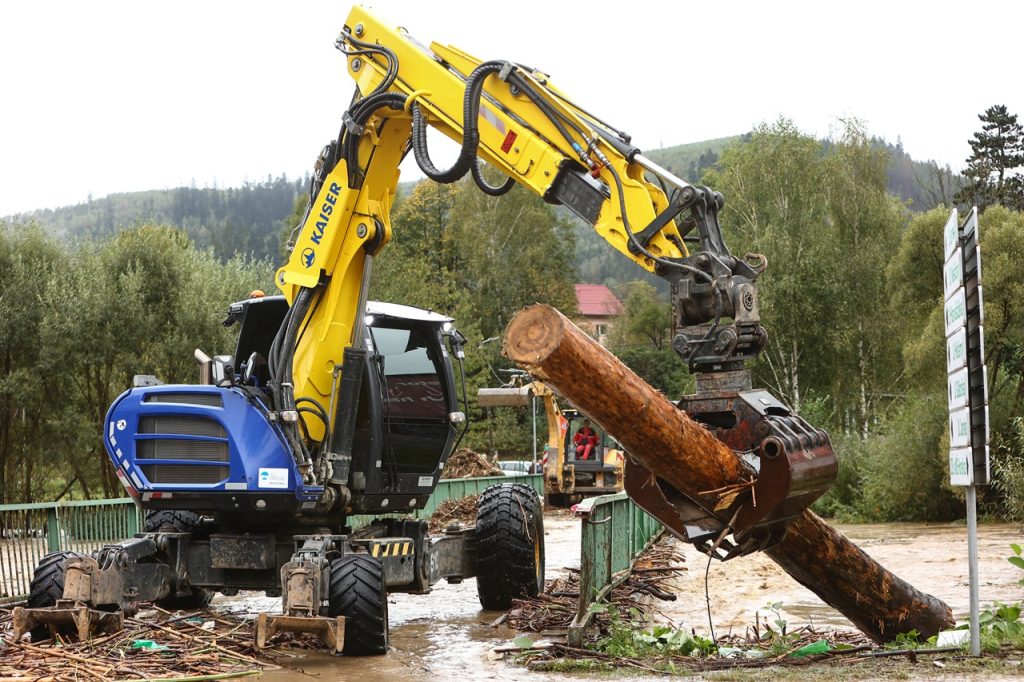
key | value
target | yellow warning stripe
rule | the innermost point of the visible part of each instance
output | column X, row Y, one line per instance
column 391, row 548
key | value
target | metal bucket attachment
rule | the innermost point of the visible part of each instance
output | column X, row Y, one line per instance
column 793, row 466
column 518, row 396
column 67, row 618
column 331, row 631
column 790, row 480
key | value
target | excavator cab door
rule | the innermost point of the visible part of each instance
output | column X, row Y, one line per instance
column 408, row 415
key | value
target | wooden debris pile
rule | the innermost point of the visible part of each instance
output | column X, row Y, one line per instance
column 154, row 645
column 453, row 511
column 465, row 463
column 846, row 641
column 759, row 646
column 552, row 611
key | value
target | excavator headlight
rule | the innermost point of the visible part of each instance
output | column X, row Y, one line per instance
column 457, row 417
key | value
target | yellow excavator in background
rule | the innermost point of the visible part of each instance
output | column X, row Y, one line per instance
column 573, row 467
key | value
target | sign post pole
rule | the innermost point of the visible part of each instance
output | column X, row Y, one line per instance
column 972, row 568
column 967, row 383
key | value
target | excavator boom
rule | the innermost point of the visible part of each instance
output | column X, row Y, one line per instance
column 516, row 120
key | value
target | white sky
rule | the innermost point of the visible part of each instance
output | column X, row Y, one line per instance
column 102, row 97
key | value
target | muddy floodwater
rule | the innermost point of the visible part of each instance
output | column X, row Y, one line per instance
column 444, row 635
column 932, row 558
column 447, row 636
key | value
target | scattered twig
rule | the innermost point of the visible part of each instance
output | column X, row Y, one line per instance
column 555, row 608
column 184, row 651
column 908, row 652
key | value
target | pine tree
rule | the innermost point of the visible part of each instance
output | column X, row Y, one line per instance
column 996, row 160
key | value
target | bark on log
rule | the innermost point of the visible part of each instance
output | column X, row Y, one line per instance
column 667, row 442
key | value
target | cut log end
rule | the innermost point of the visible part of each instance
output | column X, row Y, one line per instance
column 539, row 330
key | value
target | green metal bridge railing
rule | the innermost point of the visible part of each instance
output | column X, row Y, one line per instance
column 458, row 488
column 28, row 532
column 613, row 533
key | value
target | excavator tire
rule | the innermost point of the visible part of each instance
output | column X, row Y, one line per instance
column 357, row 592
column 177, row 521
column 170, row 521
column 509, row 545
column 47, row 587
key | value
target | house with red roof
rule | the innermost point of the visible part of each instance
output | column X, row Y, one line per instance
column 599, row 308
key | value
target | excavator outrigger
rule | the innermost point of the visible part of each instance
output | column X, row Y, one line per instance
column 333, row 406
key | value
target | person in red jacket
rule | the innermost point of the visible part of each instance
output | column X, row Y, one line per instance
column 585, row 441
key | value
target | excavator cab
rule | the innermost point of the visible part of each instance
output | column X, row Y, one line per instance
column 603, row 447
column 408, row 413
column 591, row 464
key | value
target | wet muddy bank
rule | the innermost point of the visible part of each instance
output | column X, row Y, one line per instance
column 932, row 558
column 447, row 636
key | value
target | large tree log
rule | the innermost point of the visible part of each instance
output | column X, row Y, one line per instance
column 667, row 442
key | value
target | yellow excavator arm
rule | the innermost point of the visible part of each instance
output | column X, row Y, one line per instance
column 513, row 118
column 557, row 424
column 516, row 120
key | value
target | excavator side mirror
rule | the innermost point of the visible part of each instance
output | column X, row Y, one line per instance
column 254, row 368
column 223, row 370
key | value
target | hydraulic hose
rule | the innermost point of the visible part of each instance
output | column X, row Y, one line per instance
column 284, row 397
column 371, row 48
column 668, row 263
column 357, row 117
column 470, row 129
column 487, row 188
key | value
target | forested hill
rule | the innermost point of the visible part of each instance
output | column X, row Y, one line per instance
column 251, row 219
column 921, row 184
column 247, row 220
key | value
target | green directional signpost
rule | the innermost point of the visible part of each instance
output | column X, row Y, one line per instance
column 967, row 382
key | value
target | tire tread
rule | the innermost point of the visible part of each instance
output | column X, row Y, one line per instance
column 357, row 592
column 47, row 586
column 508, row 517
